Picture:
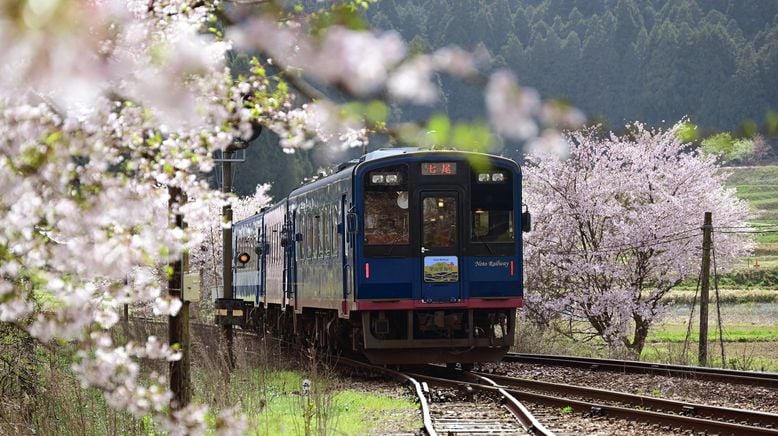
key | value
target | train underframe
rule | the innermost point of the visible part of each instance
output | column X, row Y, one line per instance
column 460, row 335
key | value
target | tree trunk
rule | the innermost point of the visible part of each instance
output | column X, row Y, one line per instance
column 639, row 340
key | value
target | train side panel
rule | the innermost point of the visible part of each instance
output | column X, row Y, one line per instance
column 319, row 246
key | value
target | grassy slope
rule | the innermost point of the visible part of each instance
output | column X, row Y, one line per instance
column 759, row 186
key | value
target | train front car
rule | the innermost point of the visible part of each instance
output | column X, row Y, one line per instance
column 438, row 256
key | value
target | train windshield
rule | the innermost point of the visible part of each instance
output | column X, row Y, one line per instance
column 491, row 205
column 386, row 207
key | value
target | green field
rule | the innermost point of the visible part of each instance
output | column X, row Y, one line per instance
column 740, row 332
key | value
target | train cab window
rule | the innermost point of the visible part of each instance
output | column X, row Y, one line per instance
column 439, row 221
column 386, row 207
column 491, row 214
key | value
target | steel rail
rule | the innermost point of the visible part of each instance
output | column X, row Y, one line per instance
column 674, row 406
column 597, row 409
column 518, row 410
column 764, row 379
column 423, row 403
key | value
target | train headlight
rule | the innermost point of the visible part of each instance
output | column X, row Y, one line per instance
column 377, row 179
column 498, row 177
column 244, row 258
column 483, row 177
column 392, row 179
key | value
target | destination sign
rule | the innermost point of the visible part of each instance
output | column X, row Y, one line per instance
column 438, row 169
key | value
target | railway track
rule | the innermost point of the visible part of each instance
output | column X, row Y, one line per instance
column 468, row 402
column 599, row 403
column 764, row 379
column 461, row 408
column 726, row 414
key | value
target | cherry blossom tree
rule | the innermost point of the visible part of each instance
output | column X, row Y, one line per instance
column 617, row 225
column 108, row 106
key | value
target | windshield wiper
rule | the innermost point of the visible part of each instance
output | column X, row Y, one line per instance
column 488, row 247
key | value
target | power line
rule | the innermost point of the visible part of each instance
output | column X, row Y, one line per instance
column 752, row 226
column 628, row 246
column 749, row 232
column 672, row 237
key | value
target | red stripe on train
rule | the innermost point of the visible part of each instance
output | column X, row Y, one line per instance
column 473, row 303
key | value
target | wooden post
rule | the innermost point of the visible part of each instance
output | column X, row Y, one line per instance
column 177, row 328
column 707, row 229
column 227, row 252
column 186, row 358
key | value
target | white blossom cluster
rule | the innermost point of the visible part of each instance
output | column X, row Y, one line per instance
column 109, row 107
column 106, row 106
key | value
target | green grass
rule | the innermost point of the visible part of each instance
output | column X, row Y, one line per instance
column 274, row 403
column 728, row 296
column 758, row 186
column 741, row 332
column 761, row 175
column 769, row 203
column 758, row 196
column 740, row 355
column 767, row 238
column 744, row 190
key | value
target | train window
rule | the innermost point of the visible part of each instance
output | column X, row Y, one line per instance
column 386, row 217
column 312, row 231
column 440, row 221
column 327, row 230
column 319, row 231
column 491, row 214
column 493, row 226
column 334, row 231
column 303, row 229
column 386, row 222
column 309, row 244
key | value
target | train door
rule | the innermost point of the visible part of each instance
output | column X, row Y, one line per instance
column 346, row 241
column 294, row 243
column 440, row 245
column 287, row 241
column 260, row 250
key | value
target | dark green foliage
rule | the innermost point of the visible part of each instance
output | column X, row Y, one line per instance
column 266, row 162
column 750, row 279
column 618, row 60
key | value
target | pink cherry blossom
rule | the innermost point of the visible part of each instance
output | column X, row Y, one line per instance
column 617, row 225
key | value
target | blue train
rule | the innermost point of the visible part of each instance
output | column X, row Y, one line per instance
column 404, row 255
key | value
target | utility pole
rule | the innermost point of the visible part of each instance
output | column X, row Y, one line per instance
column 227, row 295
column 227, row 252
column 707, row 230
column 178, row 328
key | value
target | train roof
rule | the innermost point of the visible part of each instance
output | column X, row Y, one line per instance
column 413, row 152
column 386, row 153
column 347, row 169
